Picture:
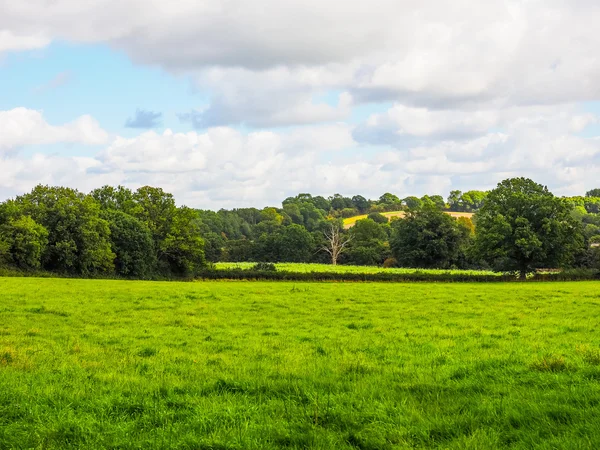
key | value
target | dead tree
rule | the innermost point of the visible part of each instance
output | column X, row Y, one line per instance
column 335, row 242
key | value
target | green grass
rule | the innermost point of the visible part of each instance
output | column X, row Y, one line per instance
column 307, row 268
column 252, row 365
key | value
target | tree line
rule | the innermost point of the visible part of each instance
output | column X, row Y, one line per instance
column 110, row 231
column 518, row 227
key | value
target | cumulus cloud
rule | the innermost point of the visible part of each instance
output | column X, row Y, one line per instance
column 11, row 41
column 478, row 93
column 261, row 57
column 20, row 127
column 220, row 167
column 225, row 167
column 144, row 119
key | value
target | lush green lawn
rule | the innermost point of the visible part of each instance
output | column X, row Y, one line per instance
column 242, row 365
column 302, row 267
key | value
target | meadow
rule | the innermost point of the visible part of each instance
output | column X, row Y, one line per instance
column 313, row 267
column 256, row 365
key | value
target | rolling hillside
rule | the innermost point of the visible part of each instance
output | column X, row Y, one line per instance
column 350, row 221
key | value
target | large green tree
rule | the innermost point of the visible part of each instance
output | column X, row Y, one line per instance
column 522, row 227
column 367, row 245
column 427, row 238
column 593, row 193
column 78, row 238
column 25, row 242
column 132, row 243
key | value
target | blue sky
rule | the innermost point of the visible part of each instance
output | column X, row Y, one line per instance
column 233, row 107
column 99, row 81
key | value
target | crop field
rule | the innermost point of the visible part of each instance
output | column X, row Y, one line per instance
column 256, row 365
column 350, row 221
column 307, row 268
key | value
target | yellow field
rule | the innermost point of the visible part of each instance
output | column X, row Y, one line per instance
column 350, row 221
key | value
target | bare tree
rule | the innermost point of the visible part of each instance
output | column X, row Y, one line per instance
column 336, row 242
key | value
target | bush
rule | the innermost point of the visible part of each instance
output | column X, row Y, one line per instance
column 378, row 218
column 264, row 267
column 390, row 262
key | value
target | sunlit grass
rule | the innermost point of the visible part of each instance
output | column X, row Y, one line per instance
column 307, row 268
column 350, row 221
column 256, row 365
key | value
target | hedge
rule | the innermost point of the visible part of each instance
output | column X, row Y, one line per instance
column 450, row 277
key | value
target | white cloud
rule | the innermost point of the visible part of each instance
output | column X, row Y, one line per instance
column 21, row 126
column 479, row 91
column 224, row 167
column 9, row 41
column 267, row 61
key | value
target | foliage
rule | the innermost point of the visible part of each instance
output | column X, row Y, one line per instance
column 378, row 218
column 523, row 227
column 264, row 267
column 593, row 193
column 413, row 202
column 106, row 232
column 368, row 243
column 182, row 250
column 427, row 238
column 467, row 201
column 132, row 243
column 78, row 238
column 22, row 243
column 138, row 234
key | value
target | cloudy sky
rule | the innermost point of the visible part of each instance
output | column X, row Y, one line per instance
column 243, row 102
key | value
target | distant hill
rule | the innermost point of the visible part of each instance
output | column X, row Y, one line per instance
column 350, row 221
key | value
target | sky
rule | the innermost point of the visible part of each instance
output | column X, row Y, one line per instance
column 233, row 103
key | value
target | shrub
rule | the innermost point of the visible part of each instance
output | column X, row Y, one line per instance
column 264, row 267
column 390, row 262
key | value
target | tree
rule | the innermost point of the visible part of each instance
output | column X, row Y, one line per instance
column 454, row 201
column 427, row 238
column 339, row 202
column 26, row 241
column 286, row 244
column 239, row 250
column 390, row 202
column 335, row 241
column 368, row 243
column 360, row 203
column 132, row 243
column 182, row 250
column 111, row 198
column 472, row 200
column 522, row 227
column 434, row 200
column 155, row 208
column 413, row 202
column 593, row 193
column 78, row 238
column 377, row 217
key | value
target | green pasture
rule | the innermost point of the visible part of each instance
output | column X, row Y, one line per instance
column 254, row 365
column 309, row 267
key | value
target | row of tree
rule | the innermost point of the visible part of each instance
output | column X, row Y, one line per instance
column 139, row 234
column 519, row 226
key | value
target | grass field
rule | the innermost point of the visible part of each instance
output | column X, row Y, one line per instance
column 350, row 221
column 252, row 365
column 306, row 268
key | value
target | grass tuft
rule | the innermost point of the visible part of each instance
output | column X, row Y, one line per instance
column 549, row 363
